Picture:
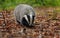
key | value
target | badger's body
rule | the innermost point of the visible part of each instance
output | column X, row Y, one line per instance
column 22, row 10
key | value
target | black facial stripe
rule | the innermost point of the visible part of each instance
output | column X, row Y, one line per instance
column 29, row 18
column 24, row 22
column 32, row 19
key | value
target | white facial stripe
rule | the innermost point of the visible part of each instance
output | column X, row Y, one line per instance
column 30, row 19
column 26, row 18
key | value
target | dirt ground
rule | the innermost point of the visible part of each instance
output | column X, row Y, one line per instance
column 43, row 28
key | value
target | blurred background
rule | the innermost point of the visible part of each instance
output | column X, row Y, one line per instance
column 10, row 4
column 47, row 21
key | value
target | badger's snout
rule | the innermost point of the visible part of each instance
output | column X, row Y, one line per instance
column 24, row 14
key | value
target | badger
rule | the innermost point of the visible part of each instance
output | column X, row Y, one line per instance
column 25, row 15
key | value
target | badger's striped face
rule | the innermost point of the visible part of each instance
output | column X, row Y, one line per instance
column 28, row 20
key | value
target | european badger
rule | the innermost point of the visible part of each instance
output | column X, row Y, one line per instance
column 24, row 15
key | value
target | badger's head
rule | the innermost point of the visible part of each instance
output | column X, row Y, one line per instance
column 28, row 20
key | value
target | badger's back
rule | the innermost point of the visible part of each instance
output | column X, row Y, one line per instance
column 21, row 10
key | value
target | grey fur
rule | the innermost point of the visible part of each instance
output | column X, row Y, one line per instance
column 22, row 10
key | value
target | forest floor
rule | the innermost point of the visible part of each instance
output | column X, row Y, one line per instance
column 43, row 28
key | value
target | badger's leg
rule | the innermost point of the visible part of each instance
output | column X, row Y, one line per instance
column 18, row 21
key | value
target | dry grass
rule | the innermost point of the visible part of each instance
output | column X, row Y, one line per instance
column 9, row 28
